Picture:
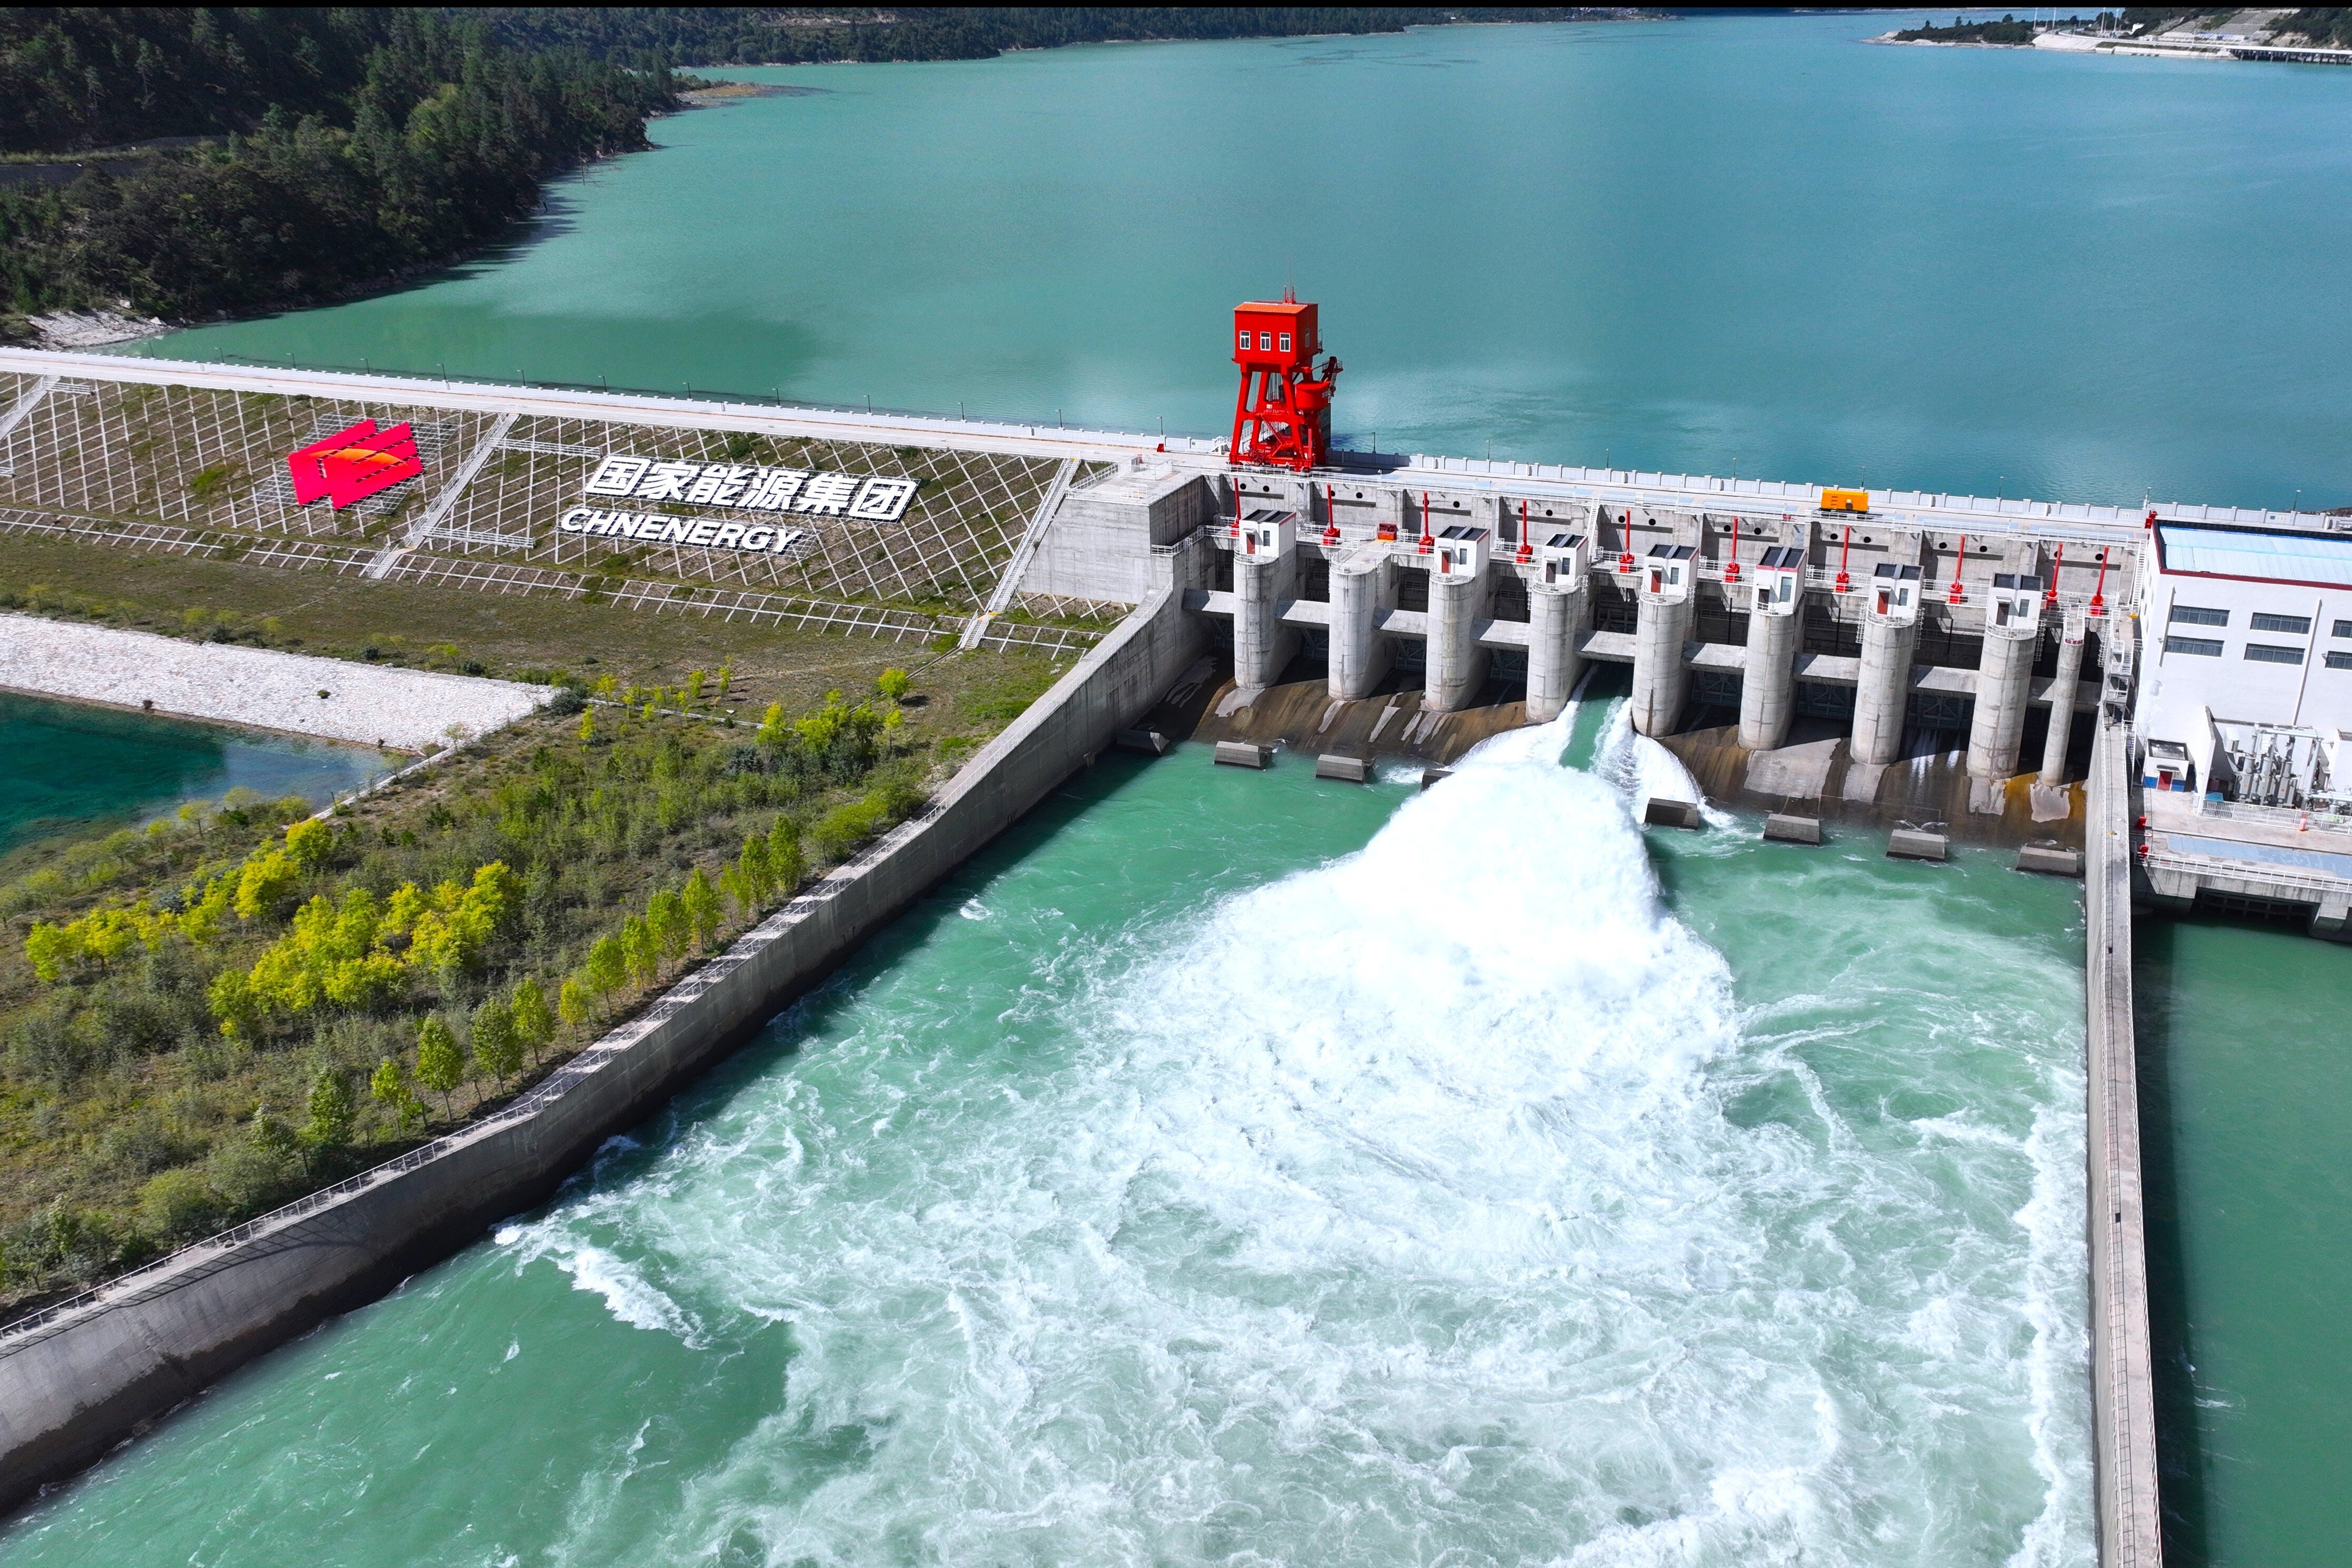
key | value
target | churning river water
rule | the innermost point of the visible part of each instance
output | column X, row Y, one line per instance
column 1245, row 1168
column 1252, row 1170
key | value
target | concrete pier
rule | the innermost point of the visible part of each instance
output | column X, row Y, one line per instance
column 2062, row 714
column 1768, row 687
column 1362, row 587
column 2003, row 675
column 1457, row 665
column 1883, row 691
column 1262, row 644
column 1556, row 617
column 2123, row 1394
column 1661, row 674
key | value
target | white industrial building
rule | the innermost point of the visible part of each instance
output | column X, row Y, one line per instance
column 2246, row 689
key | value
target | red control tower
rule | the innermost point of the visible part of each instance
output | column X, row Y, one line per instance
column 1282, row 418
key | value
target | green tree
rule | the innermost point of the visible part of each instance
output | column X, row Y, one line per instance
column 784, row 862
column 607, row 969
column 642, row 951
column 271, row 1136
column 758, row 869
column 390, row 1088
column 497, row 1047
column 694, row 680
column 329, row 1129
column 440, row 1066
column 574, row 1002
column 700, row 904
column 534, row 1025
column 893, row 685
column 310, row 843
column 725, row 680
column 666, row 919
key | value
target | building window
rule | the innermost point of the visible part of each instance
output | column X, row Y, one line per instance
column 2208, row 647
column 2343, row 629
column 1286, row 342
column 2190, row 615
column 1244, row 342
column 2272, row 653
column 1266, row 341
column 2339, row 661
column 2298, row 624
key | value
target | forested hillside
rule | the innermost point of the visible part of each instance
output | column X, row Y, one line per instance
column 352, row 144
column 746, row 35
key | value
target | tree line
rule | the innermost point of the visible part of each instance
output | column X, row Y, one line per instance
column 744, row 35
column 351, row 146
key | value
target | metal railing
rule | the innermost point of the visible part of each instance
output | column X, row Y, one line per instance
column 2320, row 886
column 2311, row 819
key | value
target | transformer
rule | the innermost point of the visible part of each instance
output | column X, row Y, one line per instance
column 1282, row 416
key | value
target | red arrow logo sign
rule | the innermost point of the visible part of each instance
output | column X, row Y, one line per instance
column 353, row 464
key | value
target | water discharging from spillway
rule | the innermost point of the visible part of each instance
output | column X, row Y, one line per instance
column 1239, row 1168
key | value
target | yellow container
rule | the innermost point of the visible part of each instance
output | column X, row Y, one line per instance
column 1845, row 501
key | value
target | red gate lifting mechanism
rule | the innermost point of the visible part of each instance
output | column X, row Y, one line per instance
column 1844, row 583
column 1527, row 545
column 1330, row 517
column 2099, row 589
column 1624, row 556
column 2050, row 596
column 1282, row 416
column 1426, row 541
column 1237, row 530
column 1731, row 571
column 1959, row 564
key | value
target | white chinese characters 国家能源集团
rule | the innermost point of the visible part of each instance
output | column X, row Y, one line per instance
column 739, row 485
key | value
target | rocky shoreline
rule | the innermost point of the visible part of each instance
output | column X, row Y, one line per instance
column 391, row 708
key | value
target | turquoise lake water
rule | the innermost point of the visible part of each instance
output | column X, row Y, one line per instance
column 1750, row 244
column 73, row 768
column 1027, row 1244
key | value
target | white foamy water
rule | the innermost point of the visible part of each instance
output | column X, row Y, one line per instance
column 1438, row 1204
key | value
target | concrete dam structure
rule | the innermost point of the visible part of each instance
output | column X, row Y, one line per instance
column 1768, row 613
column 1808, row 649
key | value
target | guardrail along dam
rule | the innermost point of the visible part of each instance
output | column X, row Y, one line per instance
column 1631, row 1054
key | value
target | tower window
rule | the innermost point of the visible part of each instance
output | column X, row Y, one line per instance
column 1264, row 341
column 1286, row 342
column 1245, row 340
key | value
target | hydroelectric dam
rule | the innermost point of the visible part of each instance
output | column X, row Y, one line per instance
column 2152, row 696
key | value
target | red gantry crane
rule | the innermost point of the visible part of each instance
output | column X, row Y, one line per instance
column 1282, row 418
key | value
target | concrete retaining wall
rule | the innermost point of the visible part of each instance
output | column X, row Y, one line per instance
column 2123, row 1402
column 72, row 1386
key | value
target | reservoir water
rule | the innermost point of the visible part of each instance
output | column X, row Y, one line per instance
column 2245, row 1073
column 74, row 768
column 1244, row 1168
column 1733, row 1227
column 1751, row 245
